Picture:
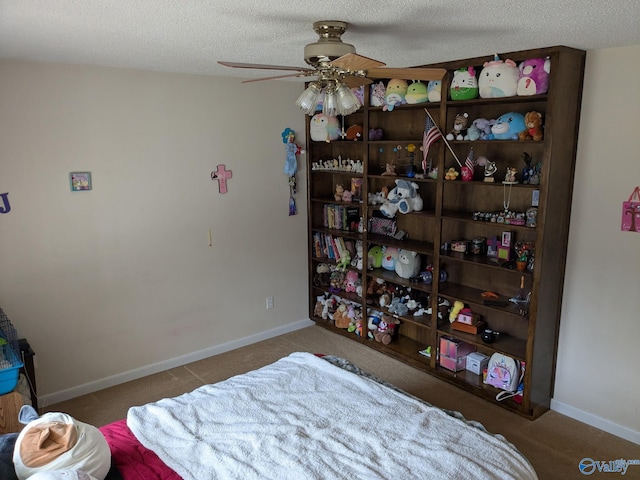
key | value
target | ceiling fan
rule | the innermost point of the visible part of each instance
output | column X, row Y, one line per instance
column 337, row 68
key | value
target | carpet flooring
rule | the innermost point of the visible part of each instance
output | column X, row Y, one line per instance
column 554, row 444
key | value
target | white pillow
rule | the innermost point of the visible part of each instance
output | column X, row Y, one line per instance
column 56, row 441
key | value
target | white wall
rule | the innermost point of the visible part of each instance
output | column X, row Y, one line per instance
column 597, row 378
column 122, row 277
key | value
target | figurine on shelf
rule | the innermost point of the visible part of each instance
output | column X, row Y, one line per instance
column 339, row 192
column 527, row 171
column 490, row 168
column 390, row 170
column 510, row 175
column 534, row 179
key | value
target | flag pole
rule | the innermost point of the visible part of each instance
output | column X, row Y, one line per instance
column 444, row 139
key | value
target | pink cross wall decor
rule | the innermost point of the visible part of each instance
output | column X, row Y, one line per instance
column 222, row 176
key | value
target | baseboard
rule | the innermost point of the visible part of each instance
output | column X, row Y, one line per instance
column 595, row 421
column 137, row 373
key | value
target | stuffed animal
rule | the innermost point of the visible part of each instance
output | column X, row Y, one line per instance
column 377, row 94
column 508, row 126
column 347, row 196
column 416, row 93
column 374, row 257
column 408, row 263
column 357, row 260
column 434, row 90
column 403, row 198
column 533, row 76
column 377, row 198
column 354, row 132
column 389, row 258
column 473, row 132
column 350, row 281
column 464, row 85
column 480, row 129
column 385, row 329
column 395, row 94
column 340, row 317
column 339, row 192
column 375, row 134
column 451, row 174
column 457, row 307
column 459, row 129
column 498, row 78
column 322, row 277
column 533, row 124
column 323, row 128
column 398, row 306
column 45, row 444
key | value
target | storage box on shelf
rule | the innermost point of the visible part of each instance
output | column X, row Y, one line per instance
column 507, row 268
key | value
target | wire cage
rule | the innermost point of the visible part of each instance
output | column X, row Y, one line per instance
column 10, row 363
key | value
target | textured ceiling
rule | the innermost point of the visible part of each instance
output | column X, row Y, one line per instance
column 190, row 36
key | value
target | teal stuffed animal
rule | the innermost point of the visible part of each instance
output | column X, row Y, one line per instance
column 508, row 126
column 434, row 90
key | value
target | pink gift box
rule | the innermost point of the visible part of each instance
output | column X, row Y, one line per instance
column 453, row 353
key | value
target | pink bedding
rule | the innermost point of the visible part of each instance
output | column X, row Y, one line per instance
column 134, row 461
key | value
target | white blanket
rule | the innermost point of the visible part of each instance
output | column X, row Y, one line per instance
column 304, row 418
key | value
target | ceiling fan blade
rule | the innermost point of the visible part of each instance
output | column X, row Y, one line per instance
column 355, row 62
column 407, row 73
column 299, row 74
column 354, row 82
column 265, row 67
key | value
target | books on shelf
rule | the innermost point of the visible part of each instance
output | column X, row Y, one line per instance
column 332, row 248
column 341, row 217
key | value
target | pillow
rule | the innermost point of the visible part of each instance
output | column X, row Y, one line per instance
column 56, row 441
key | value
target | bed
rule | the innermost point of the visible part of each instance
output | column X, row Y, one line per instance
column 305, row 417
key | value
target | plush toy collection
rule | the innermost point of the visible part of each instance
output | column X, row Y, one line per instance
column 508, row 126
column 497, row 78
column 502, row 78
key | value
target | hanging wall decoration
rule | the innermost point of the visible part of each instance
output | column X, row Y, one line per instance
column 80, row 181
column 221, row 175
column 291, row 166
column 631, row 212
column 6, row 207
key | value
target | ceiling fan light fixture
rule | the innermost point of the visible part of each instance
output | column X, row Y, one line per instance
column 330, row 104
column 347, row 100
column 308, row 100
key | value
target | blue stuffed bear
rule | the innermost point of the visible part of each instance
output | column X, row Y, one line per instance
column 507, row 127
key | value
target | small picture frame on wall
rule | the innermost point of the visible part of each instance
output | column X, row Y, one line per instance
column 80, row 181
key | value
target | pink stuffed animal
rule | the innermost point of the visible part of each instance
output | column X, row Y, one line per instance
column 534, row 76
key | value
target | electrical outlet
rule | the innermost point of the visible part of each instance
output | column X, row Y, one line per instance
column 269, row 303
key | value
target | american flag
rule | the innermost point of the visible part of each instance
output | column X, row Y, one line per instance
column 470, row 161
column 431, row 134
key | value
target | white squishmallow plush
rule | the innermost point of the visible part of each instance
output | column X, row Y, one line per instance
column 60, row 446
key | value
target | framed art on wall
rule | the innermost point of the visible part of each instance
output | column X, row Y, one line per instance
column 80, row 181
